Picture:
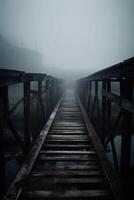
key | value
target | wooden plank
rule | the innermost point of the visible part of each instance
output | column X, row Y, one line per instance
column 66, row 146
column 68, row 152
column 70, row 166
column 87, row 173
column 68, row 194
column 68, row 128
column 67, row 134
column 44, row 181
column 59, row 141
column 70, row 124
column 67, row 158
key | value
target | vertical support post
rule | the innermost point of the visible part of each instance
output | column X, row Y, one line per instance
column 46, row 98
column 4, row 108
column 109, row 102
column 82, row 92
column 2, row 161
column 86, row 94
column 109, row 128
column 127, row 92
column 108, row 106
column 39, row 95
column 95, row 99
column 89, row 96
column 27, row 114
column 103, row 112
column 40, row 99
column 50, row 95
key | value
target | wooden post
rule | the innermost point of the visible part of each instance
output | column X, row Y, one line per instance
column 40, row 103
column 86, row 94
column 89, row 97
column 39, row 106
column 109, row 128
column 95, row 103
column 2, row 160
column 27, row 114
column 4, row 107
column 47, row 98
column 127, row 92
column 103, row 113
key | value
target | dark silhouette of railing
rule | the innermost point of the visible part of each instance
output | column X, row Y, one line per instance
column 101, row 103
column 46, row 93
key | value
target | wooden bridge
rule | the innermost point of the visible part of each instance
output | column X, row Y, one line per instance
column 67, row 159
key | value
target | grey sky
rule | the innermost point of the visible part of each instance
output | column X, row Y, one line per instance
column 72, row 36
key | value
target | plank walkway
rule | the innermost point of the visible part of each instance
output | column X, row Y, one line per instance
column 65, row 163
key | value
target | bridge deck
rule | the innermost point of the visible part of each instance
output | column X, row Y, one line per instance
column 66, row 162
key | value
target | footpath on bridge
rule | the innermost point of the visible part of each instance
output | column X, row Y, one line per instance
column 66, row 162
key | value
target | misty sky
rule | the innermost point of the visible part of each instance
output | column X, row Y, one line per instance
column 72, row 37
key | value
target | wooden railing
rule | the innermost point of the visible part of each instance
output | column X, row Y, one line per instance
column 108, row 99
column 40, row 93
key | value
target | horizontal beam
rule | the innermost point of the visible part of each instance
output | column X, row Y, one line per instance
column 123, row 103
column 124, row 69
column 10, row 77
column 35, row 76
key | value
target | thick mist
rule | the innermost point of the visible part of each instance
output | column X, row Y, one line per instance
column 65, row 38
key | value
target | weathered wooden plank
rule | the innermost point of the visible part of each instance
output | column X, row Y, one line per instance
column 67, row 134
column 66, row 146
column 67, row 158
column 44, row 181
column 66, row 137
column 68, row 128
column 68, row 152
column 74, row 141
column 70, row 124
column 68, row 131
column 67, row 165
column 87, row 173
column 68, row 194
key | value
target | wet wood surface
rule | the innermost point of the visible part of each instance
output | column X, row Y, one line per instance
column 66, row 165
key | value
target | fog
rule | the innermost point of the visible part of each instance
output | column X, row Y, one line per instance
column 65, row 38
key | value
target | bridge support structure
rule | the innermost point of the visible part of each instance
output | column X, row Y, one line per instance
column 107, row 96
column 34, row 88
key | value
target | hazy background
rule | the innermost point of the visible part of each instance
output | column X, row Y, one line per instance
column 65, row 38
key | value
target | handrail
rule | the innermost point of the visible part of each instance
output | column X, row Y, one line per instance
column 48, row 92
column 97, row 96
